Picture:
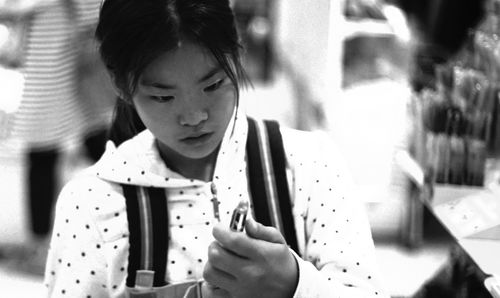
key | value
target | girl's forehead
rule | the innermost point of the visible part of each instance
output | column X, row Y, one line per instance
column 188, row 58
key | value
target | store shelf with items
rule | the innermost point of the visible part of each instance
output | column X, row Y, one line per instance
column 469, row 213
column 457, row 123
column 454, row 158
column 455, row 144
column 435, row 194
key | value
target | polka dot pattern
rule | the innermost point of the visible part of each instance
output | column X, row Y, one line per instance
column 89, row 249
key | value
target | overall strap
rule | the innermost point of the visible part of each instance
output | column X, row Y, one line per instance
column 266, row 163
column 149, row 227
column 279, row 165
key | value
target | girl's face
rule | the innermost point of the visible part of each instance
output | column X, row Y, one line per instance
column 186, row 100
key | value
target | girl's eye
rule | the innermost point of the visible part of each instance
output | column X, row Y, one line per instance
column 214, row 86
column 160, row 98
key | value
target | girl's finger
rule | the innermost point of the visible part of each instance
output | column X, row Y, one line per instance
column 224, row 260
column 217, row 277
column 236, row 242
column 261, row 232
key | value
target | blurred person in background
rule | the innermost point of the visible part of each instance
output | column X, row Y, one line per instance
column 53, row 117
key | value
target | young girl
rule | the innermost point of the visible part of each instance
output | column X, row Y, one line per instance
column 176, row 64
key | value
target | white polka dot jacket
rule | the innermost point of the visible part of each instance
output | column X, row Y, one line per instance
column 89, row 250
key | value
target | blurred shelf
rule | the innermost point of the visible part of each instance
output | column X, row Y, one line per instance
column 360, row 28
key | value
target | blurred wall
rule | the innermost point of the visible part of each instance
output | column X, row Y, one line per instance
column 308, row 43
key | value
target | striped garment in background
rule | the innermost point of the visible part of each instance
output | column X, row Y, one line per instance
column 51, row 112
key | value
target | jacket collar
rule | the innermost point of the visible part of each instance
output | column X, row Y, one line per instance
column 137, row 161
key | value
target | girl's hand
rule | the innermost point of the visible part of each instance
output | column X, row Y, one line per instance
column 257, row 263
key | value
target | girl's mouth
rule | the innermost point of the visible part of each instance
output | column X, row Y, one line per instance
column 198, row 139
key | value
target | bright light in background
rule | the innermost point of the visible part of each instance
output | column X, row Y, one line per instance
column 260, row 28
column 11, row 87
column 4, row 35
column 397, row 21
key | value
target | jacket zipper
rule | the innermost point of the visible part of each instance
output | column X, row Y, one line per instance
column 215, row 201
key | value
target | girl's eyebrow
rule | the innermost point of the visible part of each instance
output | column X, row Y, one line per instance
column 213, row 71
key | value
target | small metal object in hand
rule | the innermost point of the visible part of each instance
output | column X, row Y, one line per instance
column 239, row 216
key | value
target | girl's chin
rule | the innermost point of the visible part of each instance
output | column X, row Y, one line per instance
column 198, row 154
column 189, row 151
column 195, row 152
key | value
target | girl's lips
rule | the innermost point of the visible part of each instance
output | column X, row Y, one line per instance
column 197, row 140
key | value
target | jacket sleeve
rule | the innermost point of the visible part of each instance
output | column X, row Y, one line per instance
column 336, row 246
column 76, row 263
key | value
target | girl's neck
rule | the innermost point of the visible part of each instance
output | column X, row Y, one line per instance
column 201, row 169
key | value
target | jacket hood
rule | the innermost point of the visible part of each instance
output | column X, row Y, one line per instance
column 137, row 161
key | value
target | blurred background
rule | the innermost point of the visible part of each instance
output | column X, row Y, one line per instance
column 407, row 88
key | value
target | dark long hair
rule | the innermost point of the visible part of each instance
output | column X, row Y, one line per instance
column 132, row 33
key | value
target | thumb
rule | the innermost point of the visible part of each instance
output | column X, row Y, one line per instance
column 259, row 231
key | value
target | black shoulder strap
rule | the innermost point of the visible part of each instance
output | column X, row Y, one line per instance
column 279, row 165
column 134, row 227
column 266, row 163
column 256, row 176
column 148, row 227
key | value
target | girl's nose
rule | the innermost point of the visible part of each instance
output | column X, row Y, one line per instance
column 193, row 117
column 194, row 110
